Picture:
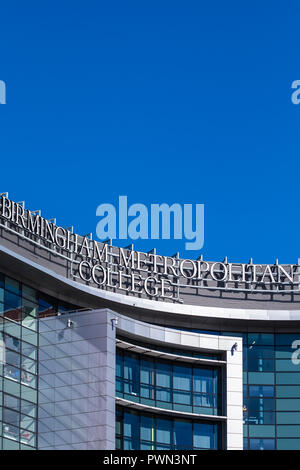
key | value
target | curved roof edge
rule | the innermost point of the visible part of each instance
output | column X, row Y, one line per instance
column 159, row 306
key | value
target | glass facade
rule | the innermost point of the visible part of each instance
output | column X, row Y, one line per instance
column 163, row 384
column 271, row 365
column 145, row 431
column 20, row 309
column 18, row 367
column 271, row 390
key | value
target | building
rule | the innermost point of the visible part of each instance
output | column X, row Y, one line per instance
column 104, row 347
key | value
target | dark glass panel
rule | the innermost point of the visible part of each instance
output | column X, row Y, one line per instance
column 183, row 435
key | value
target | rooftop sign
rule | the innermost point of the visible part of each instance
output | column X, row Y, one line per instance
column 142, row 274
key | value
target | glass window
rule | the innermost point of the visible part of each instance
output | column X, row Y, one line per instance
column 288, row 391
column 147, row 372
column 260, row 339
column 12, row 358
column 29, row 314
column 183, row 434
column 286, row 352
column 163, row 394
column 28, row 379
column 163, row 431
column 289, row 404
column 8, row 444
column 184, row 398
column 131, row 374
column 287, row 378
column 12, row 285
column 182, row 378
column 11, row 386
column 258, row 378
column 11, row 417
column 29, row 293
column 12, row 306
column 202, row 399
column 285, row 365
column 147, row 391
column 12, row 343
column 11, row 300
column 288, row 444
column 165, row 385
column 261, row 391
column 288, row 417
column 12, row 328
column 204, row 381
column 119, row 385
column 262, row 444
column 205, row 436
column 147, row 428
column 27, row 422
column 163, row 375
column 28, row 408
column 28, row 364
column 29, row 336
column 11, row 402
column 147, row 431
column 146, row 446
column 131, row 431
column 10, row 431
column 286, row 339
column 119, row 365
column 261, row 411
column 118, row 443
column 29, row 350
column 46, row 306
column 12, row 372
column 28, row 437
column 28, row 393
column 18, row 415
column 260, row 358
column 131, row 424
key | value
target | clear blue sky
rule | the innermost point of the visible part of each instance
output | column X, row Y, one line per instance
column 163, row 101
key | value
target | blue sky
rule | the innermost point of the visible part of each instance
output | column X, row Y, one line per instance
column 162, row 101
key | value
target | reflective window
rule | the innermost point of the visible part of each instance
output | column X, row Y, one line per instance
column 18, row 375
column 205, row 436
column 12, row 343
column 163, row 375
column 260, row 358
column 20, row 306
column 261, row 391
column 162, row 384
column 135, row 430
column 182, row 378
column 12, row 285
column 271, row 378
column 261, row 411
column 262, row 444
column 131, row 375
column 183, row 434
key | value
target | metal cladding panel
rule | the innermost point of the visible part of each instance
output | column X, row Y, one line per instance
column 77, row 381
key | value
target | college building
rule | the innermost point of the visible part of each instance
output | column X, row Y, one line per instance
column 103, row 347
